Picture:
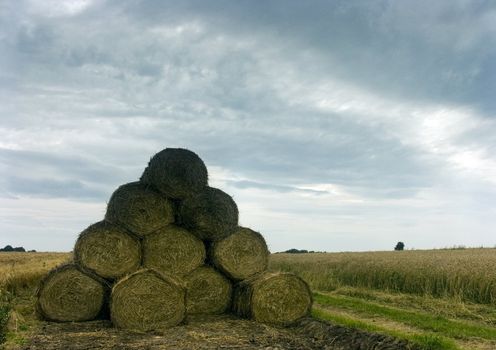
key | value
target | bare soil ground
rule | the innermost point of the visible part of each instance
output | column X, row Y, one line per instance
column 210, row 332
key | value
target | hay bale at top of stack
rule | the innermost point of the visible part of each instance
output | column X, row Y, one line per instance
column 147, row 301
column 176, row 172
column 107, row 250
column 173, row 249
column 67, row 294
column 208, row 291
column 241, row 255
column 211, row 214
column 139, row 209
column 274, row 298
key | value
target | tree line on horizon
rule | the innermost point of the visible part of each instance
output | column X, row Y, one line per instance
column 9, row 248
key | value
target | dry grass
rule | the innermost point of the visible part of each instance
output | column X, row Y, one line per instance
column 19, row 271
column 465, row 274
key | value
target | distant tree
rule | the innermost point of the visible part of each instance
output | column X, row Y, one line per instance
column 32, row 251
column 296, row 251
column 399, row 246
column 9, row 248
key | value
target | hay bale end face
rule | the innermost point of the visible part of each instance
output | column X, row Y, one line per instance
column 139, row 209
column 212, row 214
column 274, row 298
column 174, row 250
column 176, row 172
column 241, row 255
column 107, row 250
column 68, row 294
column 148, row 301
column 208, row 291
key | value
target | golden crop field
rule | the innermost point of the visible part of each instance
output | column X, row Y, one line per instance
column 24, row 270
column 466, row 274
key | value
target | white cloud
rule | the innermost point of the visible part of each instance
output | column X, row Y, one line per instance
column 57, row 8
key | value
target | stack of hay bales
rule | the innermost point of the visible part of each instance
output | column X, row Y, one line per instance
column 170, row 246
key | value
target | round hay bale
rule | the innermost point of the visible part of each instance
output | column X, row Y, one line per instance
column 241, row 255
column 208, row 291
column 173, row 249
column 176, row 172
column 139, row 209
column 68, row 294
column 147, row 301
column 274, row 298
column 107, row 250
column 211, row 214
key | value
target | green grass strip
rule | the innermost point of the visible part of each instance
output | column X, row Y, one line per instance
column 423, row 341
column 4, row 319
column 449, row 328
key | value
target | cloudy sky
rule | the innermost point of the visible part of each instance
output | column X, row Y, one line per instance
column 335, row 125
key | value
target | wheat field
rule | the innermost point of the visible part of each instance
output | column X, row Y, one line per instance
column 464, row 274
column 20, row 271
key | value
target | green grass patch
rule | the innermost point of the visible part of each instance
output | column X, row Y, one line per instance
column 451, row 308
column 442, row 325
column 421, row 341
column 4, row 319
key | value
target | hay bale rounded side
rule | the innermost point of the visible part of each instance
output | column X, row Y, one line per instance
column 148, row 301
column 139, row 209
column 208, row 291
column 173, row 249
column 107, row 250
column 68, row 294
column 176, row 172
column 241, row 255
column 211, row 214
column 274, row 298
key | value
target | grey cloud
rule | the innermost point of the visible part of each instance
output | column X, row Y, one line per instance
column 42, row 174
column 293, row 151
column 50, row 188
column 198, row 91
column 422, row 50
column 378, row 45
column 62, row 165
column 339, row 152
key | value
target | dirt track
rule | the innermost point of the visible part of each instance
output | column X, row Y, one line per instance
column 212, row 332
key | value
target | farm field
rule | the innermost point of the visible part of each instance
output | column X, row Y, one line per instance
column 22, row 330
column 439, row 299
